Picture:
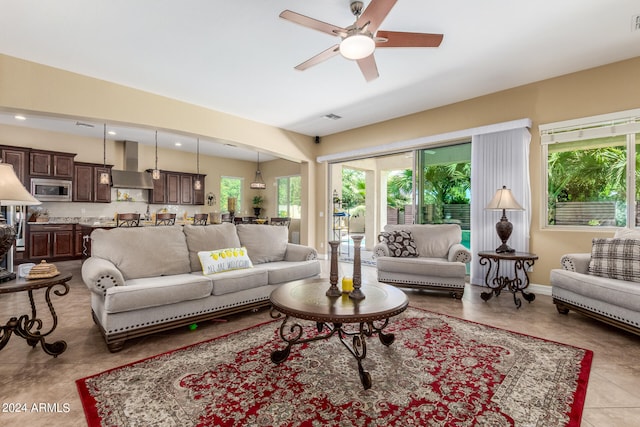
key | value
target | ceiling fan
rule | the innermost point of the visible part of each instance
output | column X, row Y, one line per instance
column 360, row 39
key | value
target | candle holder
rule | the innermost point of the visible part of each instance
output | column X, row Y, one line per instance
column 357, row 294
column 333, row 290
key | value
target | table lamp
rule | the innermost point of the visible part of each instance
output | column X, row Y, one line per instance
column 12, row 193
column 504, row 200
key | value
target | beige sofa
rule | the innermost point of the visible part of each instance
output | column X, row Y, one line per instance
column 148, row 279
column 440, row 264
column 603, row 284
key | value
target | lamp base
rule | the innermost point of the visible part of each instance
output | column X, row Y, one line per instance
column 504, row 248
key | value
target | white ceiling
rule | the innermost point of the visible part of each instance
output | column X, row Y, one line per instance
column 238, row 56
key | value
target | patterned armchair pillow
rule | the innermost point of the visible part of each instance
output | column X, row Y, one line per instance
column 400, row 243
column 616, row 259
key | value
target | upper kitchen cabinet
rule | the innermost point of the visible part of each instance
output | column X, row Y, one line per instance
column 51, row 164
column 86, row 183
column 176, row 188
column 19, row 159
column 159, row 194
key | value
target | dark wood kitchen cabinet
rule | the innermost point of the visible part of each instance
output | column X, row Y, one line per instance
column 186, row 189
column 51, row 241
column 19, row 159
column 86, row 183
column 176, row 188
column 173, row 188
column 51, row 164
column 159, row 193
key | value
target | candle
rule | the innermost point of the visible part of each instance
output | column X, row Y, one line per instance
column 347, row 284
column 231, row 204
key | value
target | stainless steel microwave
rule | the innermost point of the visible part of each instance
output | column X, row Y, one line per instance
column 51, row 190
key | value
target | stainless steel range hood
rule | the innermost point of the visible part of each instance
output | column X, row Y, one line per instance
column 130, row 177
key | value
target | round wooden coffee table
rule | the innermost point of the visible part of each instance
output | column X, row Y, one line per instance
column 306, row 300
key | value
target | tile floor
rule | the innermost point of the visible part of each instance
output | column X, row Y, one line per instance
column 29, row 376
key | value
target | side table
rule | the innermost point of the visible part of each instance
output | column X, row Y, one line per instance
column 522, row 261
column 29, row 326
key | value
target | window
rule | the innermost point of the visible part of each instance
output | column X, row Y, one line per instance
column 592, row 171
column 289, row 204
column 230, row 187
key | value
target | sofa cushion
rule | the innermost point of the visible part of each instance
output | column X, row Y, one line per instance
column 156, row 291
column 209, row 238
column 287, row 271
column 224, row 260
column 264, row 243
column 619, row 293
column 432, row 240
column 400, row 243
column 143, row 251
column 230, row 281
column 437, row 267
column 616, row 259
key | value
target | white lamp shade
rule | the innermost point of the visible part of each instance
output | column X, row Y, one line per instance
column 503, row 199
column 12, row 192
column 357, row 46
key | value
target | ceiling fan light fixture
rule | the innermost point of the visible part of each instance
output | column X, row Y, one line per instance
column 357, row 46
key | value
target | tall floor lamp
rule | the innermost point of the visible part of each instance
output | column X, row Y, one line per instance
column 503, row 200
column 12, row 193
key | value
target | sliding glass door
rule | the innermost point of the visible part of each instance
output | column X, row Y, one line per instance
column 443, row 187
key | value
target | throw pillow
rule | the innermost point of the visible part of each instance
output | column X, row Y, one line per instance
column 400, row 243
column 224, row 260
column 615, row 259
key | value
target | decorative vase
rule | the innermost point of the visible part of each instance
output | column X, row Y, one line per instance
column 357, row 274
column 333, row 290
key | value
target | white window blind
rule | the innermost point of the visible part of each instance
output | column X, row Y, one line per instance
column 613, row 124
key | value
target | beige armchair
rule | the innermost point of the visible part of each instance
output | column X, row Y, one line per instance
column 437, row 264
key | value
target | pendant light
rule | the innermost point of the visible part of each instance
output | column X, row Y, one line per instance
column 197, row 185
column 258, row 182
column 155, row 174
column 104, row 176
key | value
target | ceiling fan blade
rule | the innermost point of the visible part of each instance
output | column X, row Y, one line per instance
column 368, row 67
column 305, row 21
column 322, row 56
column 375, row 14
column 402, row 39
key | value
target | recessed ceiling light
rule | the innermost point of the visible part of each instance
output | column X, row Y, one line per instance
column 19, row 117
column 112, row 132
column 178, row 144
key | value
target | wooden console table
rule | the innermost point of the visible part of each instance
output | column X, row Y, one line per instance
column 522, row 261
column 29, row 326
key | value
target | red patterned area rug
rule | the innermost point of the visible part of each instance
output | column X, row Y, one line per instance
column 440, row 371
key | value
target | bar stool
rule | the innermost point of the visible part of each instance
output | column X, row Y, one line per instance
column 165, row 218
column 200, row 219
column 128, row 220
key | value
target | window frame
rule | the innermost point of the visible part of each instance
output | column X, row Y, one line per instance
column 613, row 124
column 277, row 204
column 239, row 202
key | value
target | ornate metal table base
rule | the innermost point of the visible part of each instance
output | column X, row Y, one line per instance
column 29, row 327
column 353, row 339
column 521, row 262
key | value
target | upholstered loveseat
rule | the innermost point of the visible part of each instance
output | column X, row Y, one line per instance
column 147, row 279
column 436, row 259
column 603, row 284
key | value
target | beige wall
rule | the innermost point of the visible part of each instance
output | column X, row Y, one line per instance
column 596, row 91
column 35, row 88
